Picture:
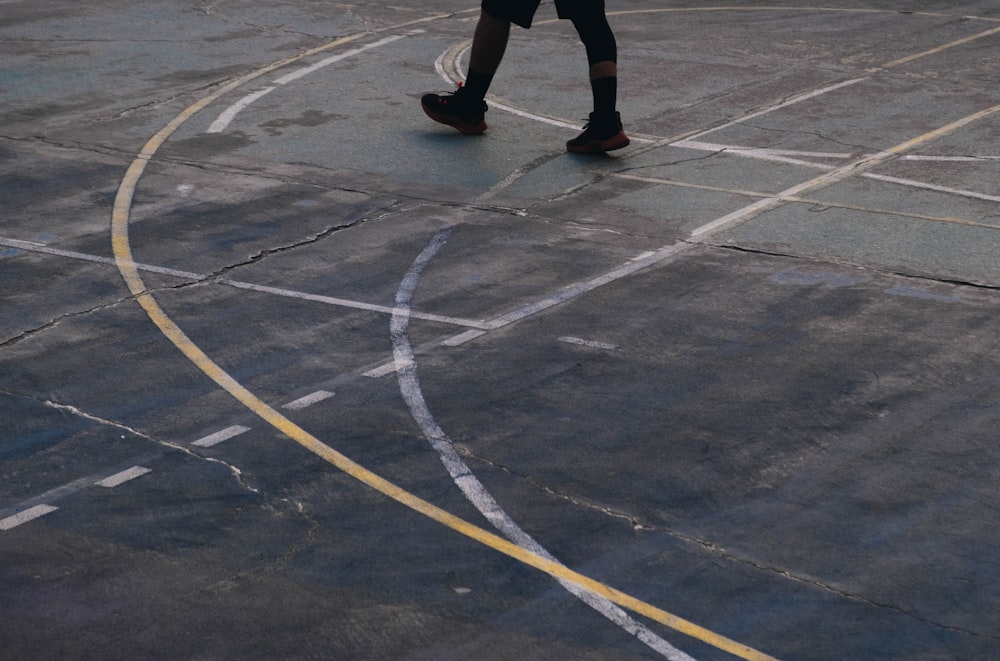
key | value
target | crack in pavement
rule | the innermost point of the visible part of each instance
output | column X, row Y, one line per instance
column 639, row 526
column 210, row 10
column 31, row 332
column 173, row 97
column 857, row 150
column 263, row 254
column 954, row 282
column 234, row 470
column 217, row 276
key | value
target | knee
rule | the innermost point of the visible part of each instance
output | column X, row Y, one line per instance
column 597, row 38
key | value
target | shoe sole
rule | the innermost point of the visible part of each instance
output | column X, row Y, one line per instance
column 465, row 127
column 619, row 141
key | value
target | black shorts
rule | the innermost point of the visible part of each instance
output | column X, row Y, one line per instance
column 522, row 11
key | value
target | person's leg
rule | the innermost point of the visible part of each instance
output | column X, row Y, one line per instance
column 604, row 86
column 602, row 52
column 489, row 43
column 464, row 109
column 604, row 130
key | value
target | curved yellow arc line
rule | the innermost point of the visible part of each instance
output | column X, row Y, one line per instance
column 126, row 266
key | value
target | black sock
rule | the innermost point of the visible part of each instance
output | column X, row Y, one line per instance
column 476, row 84
column 605, row 94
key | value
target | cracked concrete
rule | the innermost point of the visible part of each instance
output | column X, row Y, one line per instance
column 781, row 427
column 234, row 470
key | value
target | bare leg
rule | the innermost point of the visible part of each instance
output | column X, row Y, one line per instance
column 604, row 69
column 464, row 109
column 489, row 44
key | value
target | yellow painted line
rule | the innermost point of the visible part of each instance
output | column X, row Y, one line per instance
column 130, row 273
column 939, row 49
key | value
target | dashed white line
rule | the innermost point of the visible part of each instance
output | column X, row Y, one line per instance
column 309, row 400
column 220, row 436
column 593, row 344
column 122, row 477
column 382, row 370
column 27, row 515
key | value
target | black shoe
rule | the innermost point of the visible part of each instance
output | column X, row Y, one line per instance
column 602, row 133
column 456, row 109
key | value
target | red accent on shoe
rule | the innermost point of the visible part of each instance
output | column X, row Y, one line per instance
column 585, row 144
column 446, row 110
column 602, row 133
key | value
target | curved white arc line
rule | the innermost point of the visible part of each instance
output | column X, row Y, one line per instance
column 229, row 114
column 463, row 476
column 127, row 267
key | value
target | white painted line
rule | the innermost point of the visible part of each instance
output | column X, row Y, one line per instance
column 32, row 246
column 574, row 290
column 933, row 187
column 124, row 476
column 776, row 155
column 309, row 400
column 854, row 168
column 462, row 338
column 495, row 102
column 382, row 370
column 25, row 516
column 569, row 339
column 343, row 302
column 226, row 117
column 305, row 71
column 759, row 151
column 928, row 157
column 741, row 214
column 452, row 58
column 815, row 202
column 474, row 490
column 778, row 106
column 773, row 155
column 220, row 436
column 229, row 114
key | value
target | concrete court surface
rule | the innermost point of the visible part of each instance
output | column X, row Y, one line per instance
column 283, row 363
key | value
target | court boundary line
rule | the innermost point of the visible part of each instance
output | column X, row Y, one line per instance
column 126, row 266
column 462, row 475
column 121, row 247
